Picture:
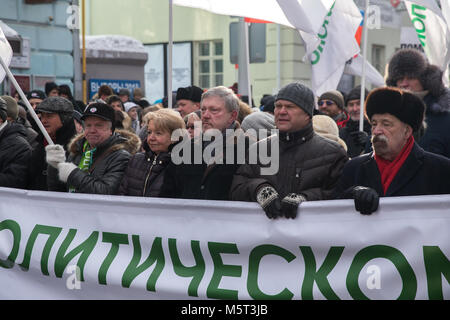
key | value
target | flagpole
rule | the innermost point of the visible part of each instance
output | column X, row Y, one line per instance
column 363, row 75
column 169, row 56
column 24, row 99
column 247, row 61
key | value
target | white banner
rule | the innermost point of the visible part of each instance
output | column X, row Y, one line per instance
column 337, row 45
column 432, row 30
column 151, row 248
column 354, row 67
column 309, row 13
column 5, row 53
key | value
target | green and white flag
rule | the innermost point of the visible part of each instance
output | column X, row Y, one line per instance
column 335, row 44
column 432, row 30
column 5, row 53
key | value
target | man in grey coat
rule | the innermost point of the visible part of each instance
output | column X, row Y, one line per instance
column 309, row 165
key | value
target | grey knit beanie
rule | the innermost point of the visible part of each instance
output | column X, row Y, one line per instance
column 12, row 107
column 298, row 94
column 258, row 120
column 335, row 96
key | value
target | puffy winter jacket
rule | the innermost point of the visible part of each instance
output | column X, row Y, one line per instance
column 108, row 165
column 145, row 174
column 308, row 164
column 15, row 154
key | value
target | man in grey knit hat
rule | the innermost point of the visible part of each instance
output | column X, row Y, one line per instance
column 309, row 165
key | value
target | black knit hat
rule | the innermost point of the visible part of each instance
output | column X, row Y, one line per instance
column 406, row 62
column 402, row 104
column 100, row 110
column 192, row 93
column 59, row 105
column 299, row 94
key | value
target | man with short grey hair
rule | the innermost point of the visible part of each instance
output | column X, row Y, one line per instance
column 309, row 165
column 201, row 179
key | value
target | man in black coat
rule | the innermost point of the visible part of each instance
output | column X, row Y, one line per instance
column 98, row 156
column 15, row 152
column 397, row 166
column 204, row 171
column 56, row 115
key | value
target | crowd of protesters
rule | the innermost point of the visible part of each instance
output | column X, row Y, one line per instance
column 121, row 146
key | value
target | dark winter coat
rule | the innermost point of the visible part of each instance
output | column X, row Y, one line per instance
column 108, row 165
column 15, row 155
column 145, row 174
column 37, row 171
column 201, row 181
column 308, row 164
column 422, row 173
column 436, row 138
column 353, row 149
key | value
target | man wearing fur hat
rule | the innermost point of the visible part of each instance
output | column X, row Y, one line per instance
column 188, row 100
column 15, row 151
column 397, row 166
column 56, row 115
column 408, row 69
column 309, row 165
column 331, row 103
column 98, row 157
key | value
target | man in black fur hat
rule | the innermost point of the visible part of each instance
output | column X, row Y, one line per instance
column 188, row 100
column 398, row 166
column 409, row 70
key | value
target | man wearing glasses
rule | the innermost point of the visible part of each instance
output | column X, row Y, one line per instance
column 331, row 103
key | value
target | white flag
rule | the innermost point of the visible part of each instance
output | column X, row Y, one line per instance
column 337, row 45
column 432, row 30
column 308, row 13
column 6, row 53
column 354, row 67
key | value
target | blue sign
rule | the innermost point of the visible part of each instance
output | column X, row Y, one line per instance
column 116, row 85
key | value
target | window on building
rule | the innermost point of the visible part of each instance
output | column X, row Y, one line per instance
column 378, row 58
column 209, row 63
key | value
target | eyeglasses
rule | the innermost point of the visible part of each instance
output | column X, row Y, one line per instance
column 327, row 102
column 190, row 127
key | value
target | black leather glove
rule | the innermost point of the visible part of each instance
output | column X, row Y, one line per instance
column 359, row 137
column 268, row 199
column 290, row 203
column 366, row 200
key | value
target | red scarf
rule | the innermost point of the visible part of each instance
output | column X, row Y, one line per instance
column 388, row 169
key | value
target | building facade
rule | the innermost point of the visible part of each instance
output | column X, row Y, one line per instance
column 44, row 51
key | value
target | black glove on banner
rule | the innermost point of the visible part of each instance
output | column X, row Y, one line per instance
column 290, row 203
column 366, row 200
column 268, row 199
column 359, row 137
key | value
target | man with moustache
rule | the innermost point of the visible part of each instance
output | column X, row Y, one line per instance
column 398, row 166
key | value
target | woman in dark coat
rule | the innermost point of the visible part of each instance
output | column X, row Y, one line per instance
column 145, row 172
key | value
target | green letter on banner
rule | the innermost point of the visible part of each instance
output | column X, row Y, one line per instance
column 62, row 259
column 115, row 239
column 253, row 267
column 436, row 265
column 14, row 227
column 319, row 276
column 53, row 233
column 221, row 270
column 379, row 251
column 196, row 271
column 133, row 270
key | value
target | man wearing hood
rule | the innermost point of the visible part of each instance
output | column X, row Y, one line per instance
column 98, row 157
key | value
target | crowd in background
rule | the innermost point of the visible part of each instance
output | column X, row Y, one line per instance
column 120, row 143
